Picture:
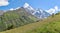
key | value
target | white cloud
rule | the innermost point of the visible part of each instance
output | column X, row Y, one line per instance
column 4, row 2
column 56, row 7
column 53, row 10
column 11, row 9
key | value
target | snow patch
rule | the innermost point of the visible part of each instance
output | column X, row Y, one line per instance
column 26, row 5
column 14, row 8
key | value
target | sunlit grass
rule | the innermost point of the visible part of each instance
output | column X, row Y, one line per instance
column 49, row 25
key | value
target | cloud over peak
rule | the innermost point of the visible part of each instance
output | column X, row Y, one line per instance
column 53, row 10
column 4, row 2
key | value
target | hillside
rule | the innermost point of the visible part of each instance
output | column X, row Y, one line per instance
column 15, row 18
column 49, row 25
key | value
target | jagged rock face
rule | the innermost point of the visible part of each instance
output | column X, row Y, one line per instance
column 28, row 8
column 39, row 13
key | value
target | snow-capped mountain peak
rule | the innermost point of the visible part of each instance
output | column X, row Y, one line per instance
column 39, row 13
column 26, row 5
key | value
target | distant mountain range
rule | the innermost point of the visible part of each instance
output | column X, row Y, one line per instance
column 39, row 13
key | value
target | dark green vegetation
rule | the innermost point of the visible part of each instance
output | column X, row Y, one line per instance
column 49, row 25
column 16, row 18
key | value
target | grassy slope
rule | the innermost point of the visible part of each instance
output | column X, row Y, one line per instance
column 50, row 25
column 16, row 18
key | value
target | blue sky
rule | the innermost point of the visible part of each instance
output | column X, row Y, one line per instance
column 43, row 4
